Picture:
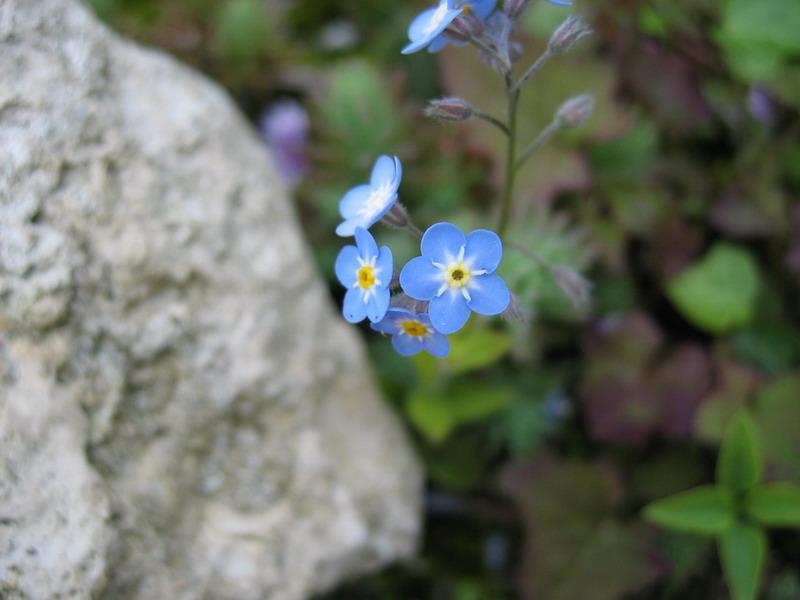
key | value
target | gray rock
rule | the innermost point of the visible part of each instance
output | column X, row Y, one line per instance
column 183, row 413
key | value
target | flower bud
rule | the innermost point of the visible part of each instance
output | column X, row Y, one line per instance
column 514, row 311
column 515, row 8
column 397, row 216
column 456, row 31
column 567, row 34
column 574, row 285
column 450, row 109
column 575, row 111
column 468, row 22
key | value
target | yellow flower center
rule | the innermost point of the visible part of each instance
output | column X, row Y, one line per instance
column 457, row 275
column 414, row 328
column 366, row 277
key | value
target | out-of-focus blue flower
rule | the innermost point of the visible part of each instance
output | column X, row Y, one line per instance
column 557, row 406
column 365, row 205
column 284, row 126
column 366, row 273
column 456, row 275
column 761, row 105
column 412, row 332
column 481, row 9
column 429, row 24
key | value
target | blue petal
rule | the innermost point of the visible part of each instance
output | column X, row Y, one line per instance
column 347, row 266
column 448, row 312
column 389, row 322
column 383, row 171
column 437, row 345
column 353, row 200
column 416, row 31
column 442, row 242
column 419, row 31
column 386, row 207
column 420, row 279
column 488, row 295
column 385, row 265
column 484, row 250
column 438, row 43
column 366, row 243
column 398, row 173
column 560, row 2
column 434, row 48
column 406, row 345
column 348, row 227
column 378, row 304
column 353, row 307
column 481, row 8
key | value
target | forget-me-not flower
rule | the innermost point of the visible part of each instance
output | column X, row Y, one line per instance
column 481, row 9
column 412, row 332
column 366, row 273
column 456, row 275
column 365, row 205
column 429, row 25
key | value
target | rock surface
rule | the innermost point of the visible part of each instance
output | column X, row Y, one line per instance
column 183, row 414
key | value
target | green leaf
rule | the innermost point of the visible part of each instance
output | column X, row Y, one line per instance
column 706, row 510
column 777, row 410
column 776, row 505
column 244, row 29
column 740, row 459
column 772, row 349
column 458, row 464
column 759, row 36
column 742, row 550
column 476, row 347
column 718, row 293
column 626, row 157
column 437, row 413
column 359, row 118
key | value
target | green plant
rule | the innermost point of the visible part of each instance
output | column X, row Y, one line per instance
column 736, row 510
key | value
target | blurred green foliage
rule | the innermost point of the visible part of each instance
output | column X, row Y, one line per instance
column 678, row 200
column 736, row 510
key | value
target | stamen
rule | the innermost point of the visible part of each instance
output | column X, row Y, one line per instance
column 413, row 328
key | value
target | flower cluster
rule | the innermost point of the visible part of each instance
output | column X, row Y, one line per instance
column 454, row 276
column 455, row 21
column 434, row 294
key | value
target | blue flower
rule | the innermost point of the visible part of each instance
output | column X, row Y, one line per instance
column 365, row 205
column 560, row 2
column 480, row 8
column 366, row 273
column 456, row 275
column 412, row 332
column 429, row 24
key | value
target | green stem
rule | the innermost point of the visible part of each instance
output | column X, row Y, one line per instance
column 511, row 171
column 532, row 70
column 480, row 45
column 540, row 140
column 494, row 121
column 414, row 230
